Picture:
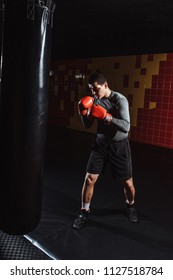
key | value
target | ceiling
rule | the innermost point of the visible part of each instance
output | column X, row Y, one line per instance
column 91, row 28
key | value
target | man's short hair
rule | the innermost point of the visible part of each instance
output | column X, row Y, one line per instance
column 97, row 77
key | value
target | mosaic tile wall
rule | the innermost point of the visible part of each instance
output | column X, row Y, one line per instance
column 146, row 80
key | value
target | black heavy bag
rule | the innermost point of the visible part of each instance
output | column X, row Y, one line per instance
column 23, row 111
column 1, row 38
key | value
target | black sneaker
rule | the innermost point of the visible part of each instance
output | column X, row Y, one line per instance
column 131, row 213
column 81, row 220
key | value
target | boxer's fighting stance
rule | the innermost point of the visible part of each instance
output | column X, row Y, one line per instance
column 111, row 111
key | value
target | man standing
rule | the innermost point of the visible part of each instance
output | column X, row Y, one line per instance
column 111, row 110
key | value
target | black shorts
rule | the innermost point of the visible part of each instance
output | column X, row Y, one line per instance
column 118, row 154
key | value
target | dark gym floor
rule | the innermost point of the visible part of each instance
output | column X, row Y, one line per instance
column 108, row 234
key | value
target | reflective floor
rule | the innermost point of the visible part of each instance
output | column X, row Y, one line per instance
column 15, row 247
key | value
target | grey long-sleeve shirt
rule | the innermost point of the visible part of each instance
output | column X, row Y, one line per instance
column 117, row 105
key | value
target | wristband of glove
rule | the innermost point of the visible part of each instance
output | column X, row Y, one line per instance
column 108, row 119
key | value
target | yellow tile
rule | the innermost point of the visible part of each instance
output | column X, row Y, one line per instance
column 61, row 67
column 152, row 105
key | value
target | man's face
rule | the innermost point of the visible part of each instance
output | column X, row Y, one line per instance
column 98, row 90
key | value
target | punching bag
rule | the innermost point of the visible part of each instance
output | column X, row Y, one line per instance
column 23, row 111
column 1, row 38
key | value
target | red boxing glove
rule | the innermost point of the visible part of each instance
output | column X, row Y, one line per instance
column 84, row 104
column 99, row 112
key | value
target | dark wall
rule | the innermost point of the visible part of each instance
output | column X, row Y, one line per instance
column 107, row 27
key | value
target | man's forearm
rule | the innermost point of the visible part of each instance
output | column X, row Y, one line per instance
column 86, row 121
column 121, row 124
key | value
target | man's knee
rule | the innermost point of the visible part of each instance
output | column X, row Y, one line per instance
column 128, row 184
column 90, row 179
